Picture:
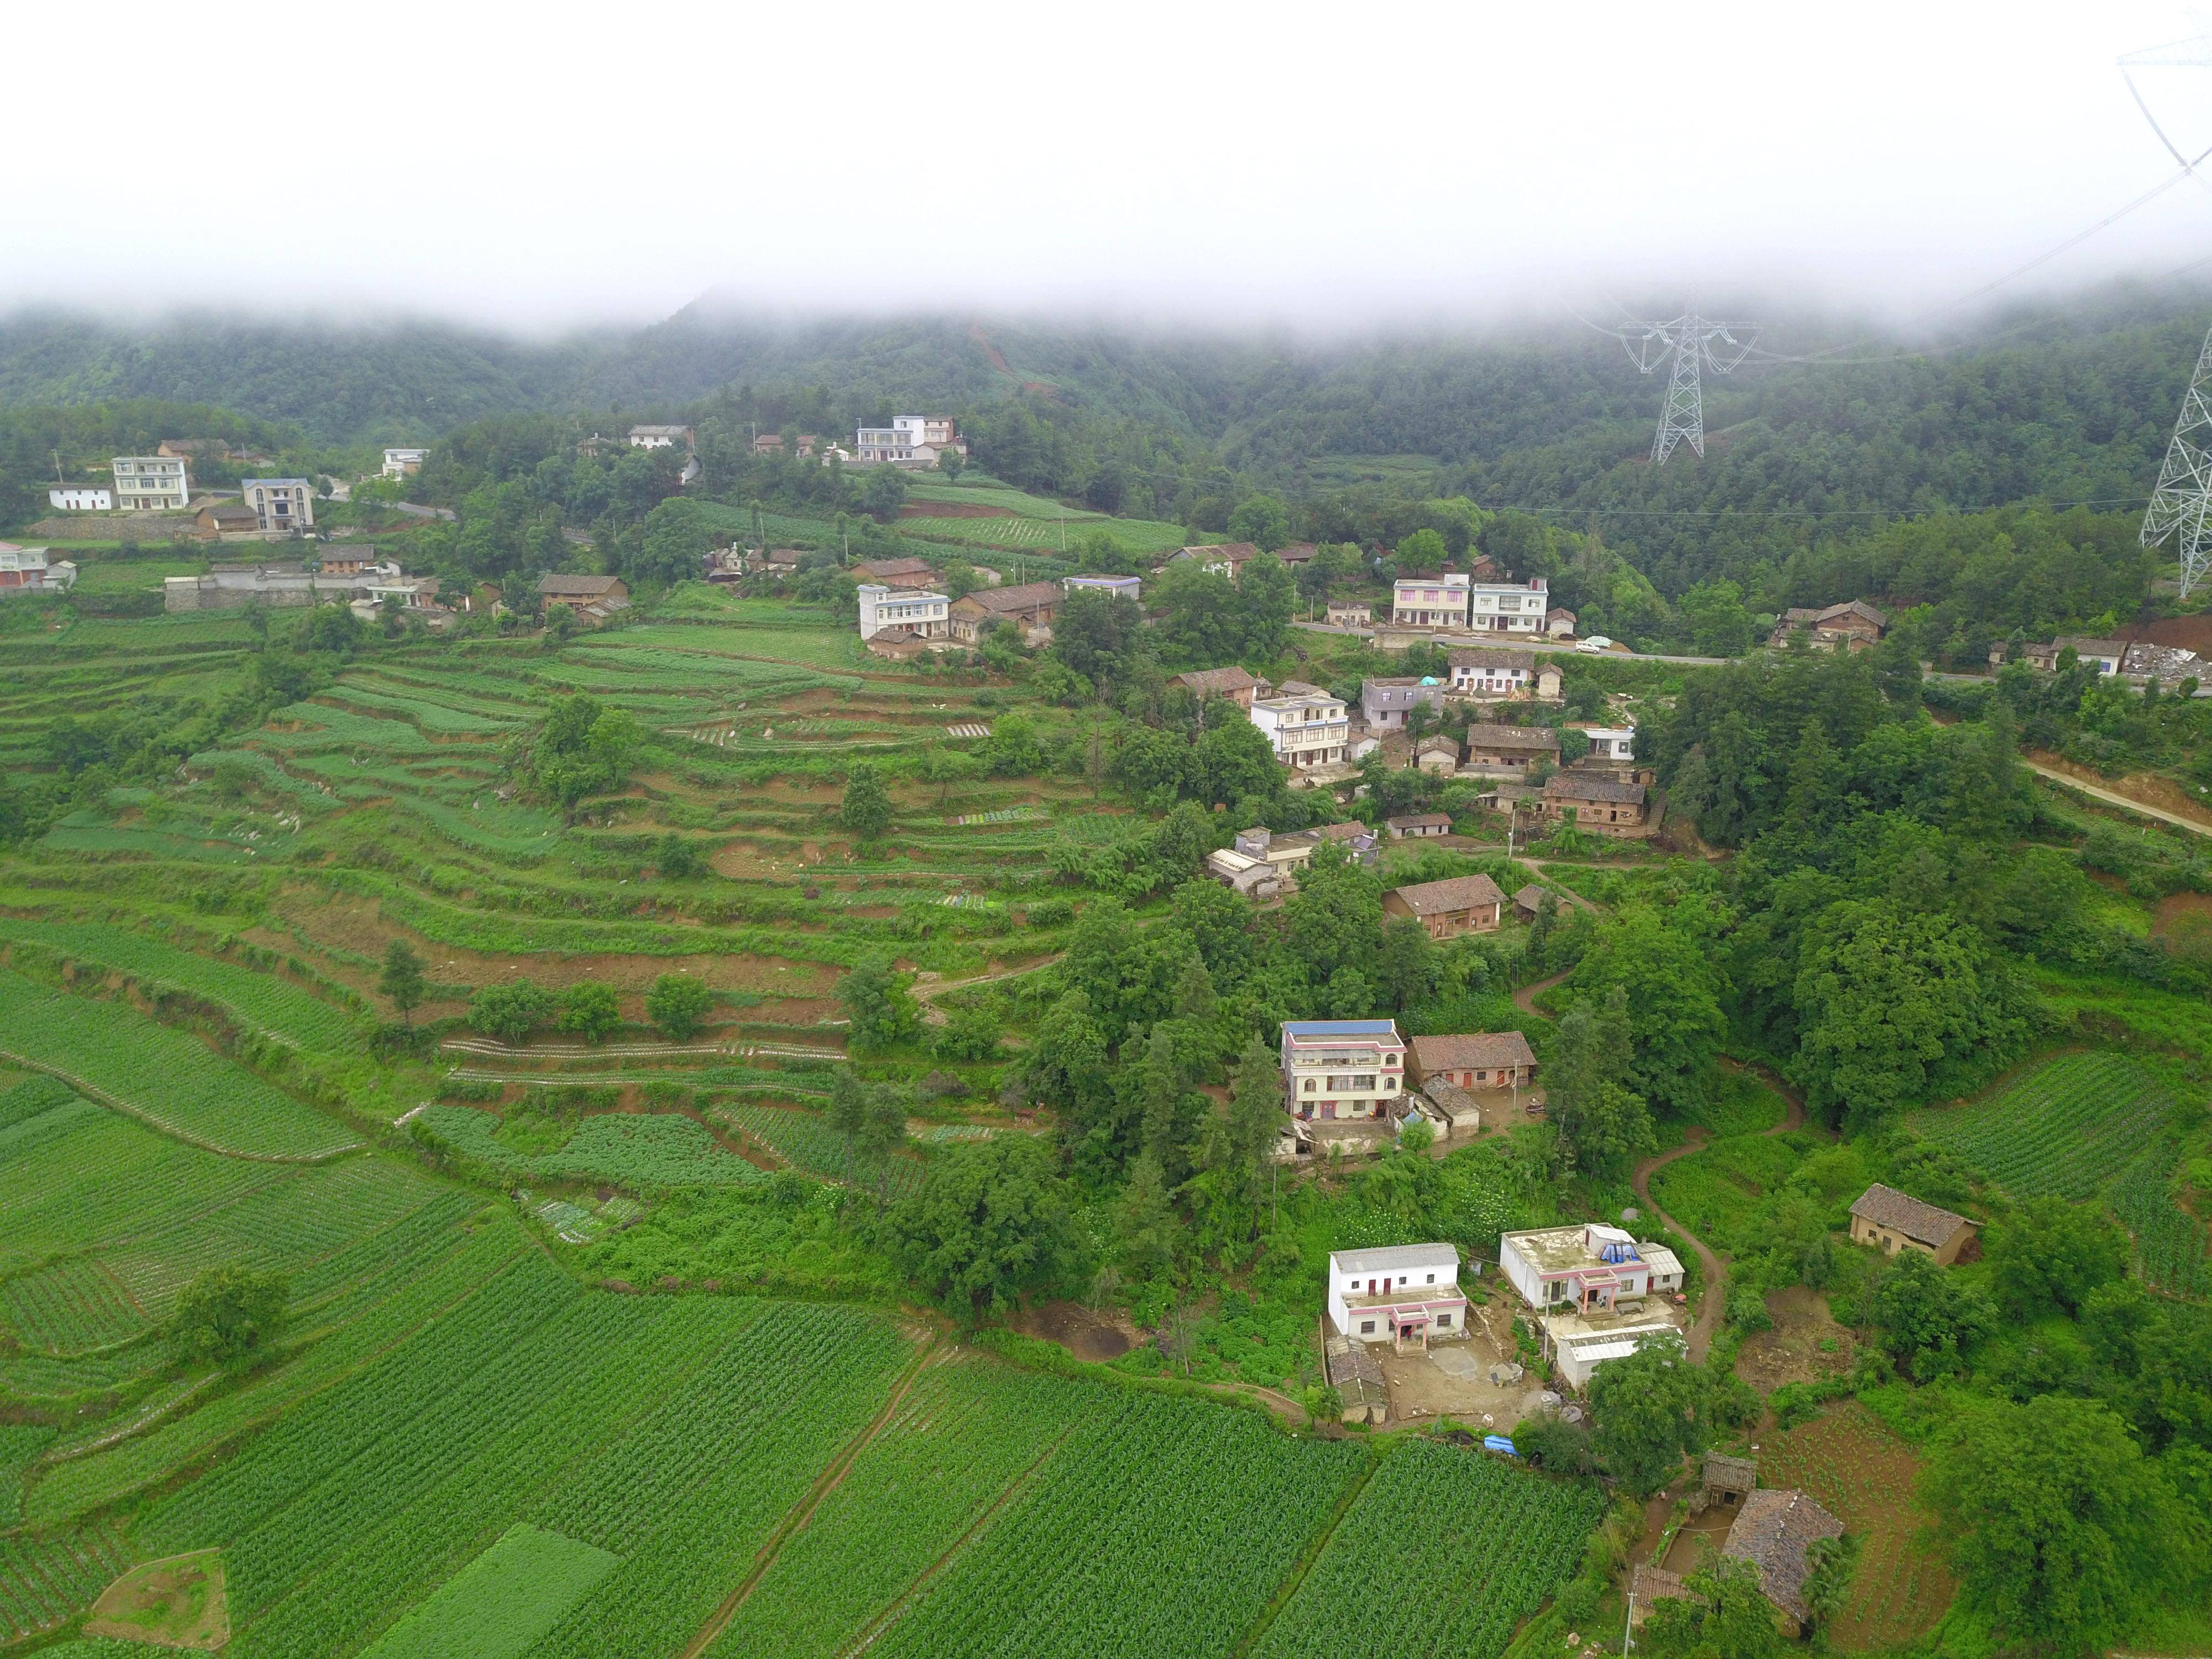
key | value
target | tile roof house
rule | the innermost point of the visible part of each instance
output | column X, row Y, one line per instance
column 1509, row 750
column 1853, row 625
column 1527, row 901
column 1464, row 904
column 1415, row 826
column 1474, row 1059
column 566, row 588
column 1772, row 1532
column 1894, row 1221
column 1437, row 755
column 1223, row 558
column 1029, row 605
column 1232, row 683
column 1600, row 805
column 897, row 573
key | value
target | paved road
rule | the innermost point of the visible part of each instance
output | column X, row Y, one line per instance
column 1465, row 641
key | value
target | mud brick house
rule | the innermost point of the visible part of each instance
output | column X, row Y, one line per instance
column 1465, row 904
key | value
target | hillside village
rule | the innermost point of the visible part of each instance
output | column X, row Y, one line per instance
column 1306, row 990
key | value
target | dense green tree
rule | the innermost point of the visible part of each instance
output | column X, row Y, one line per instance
column 1725, row 1615
column 987, row 1226
column 1649, row 1411
column 1263, row 520
column 1928, row 1315
column 1405, row 966
column 1672, row 989
column 1893, row 1002
column 677, row 858
column 510, row 1010
column 402, row 981
column 883, row 493
column 589, row 1010
column 226, row 1313
column 582, row 750
column 867, row 809
column 679, row 1004
column 2051, row 1252
column 880, row 1009
column 2062, row 1532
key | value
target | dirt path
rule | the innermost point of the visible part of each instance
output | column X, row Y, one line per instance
column 927, row 987
column 827, row 1482
column 2111, row 797
column 1714, row 1301
column 1525, row 998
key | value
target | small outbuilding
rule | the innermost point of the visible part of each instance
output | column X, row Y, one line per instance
column 1893, row 1221
column 1727, row 1480
column 1773, row 1531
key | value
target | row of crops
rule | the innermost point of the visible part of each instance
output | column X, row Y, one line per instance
column 42, row 1581
column 2081, row 1124
column 164, row 1076
column 653, row 1151
column 805, row 1141
column 1475, row 1547
column 259, row 1001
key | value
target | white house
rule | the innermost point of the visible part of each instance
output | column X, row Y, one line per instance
column 81, row 498
column 1307, row 726
column 1486, row 672
column 403, row 463
column 151, row 483
column 1399, row 1294
column 660, row 437
column 908, row 440
column 1575, row 1349
column 1342, row 1068
column 928, row 615
column 281, row 504
column 1128, row 586
column 1591, row 1268
column 27, row 571
column 1508, row 607
column 1608, row 743
column 1429, row 601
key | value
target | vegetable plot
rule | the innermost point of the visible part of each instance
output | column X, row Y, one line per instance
column 2062, row 1130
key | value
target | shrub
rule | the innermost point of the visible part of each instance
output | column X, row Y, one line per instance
column 588, row 1009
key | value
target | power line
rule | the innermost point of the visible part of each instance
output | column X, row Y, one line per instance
column 1689, row 343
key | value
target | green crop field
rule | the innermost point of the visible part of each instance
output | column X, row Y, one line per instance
column 2063, row 1130
column 158, row 1075
column 650, row 1153
column 805, row 1141
column 1477, row 1545
column 500, row 1602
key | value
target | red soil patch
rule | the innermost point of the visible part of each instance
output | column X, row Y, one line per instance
column 2192, row 632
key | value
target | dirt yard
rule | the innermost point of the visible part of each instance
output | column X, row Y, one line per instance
column 1453, row 1378
column 1087, row 1335
column 176, row 1603
column 1805, row 1345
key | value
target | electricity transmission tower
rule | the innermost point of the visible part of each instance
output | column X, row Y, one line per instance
column 1692, row 343
column 2182, row 503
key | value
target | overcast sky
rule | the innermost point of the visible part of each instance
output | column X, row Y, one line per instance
column 554, row 164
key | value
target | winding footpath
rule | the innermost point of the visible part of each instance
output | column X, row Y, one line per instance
column 1713, row 1268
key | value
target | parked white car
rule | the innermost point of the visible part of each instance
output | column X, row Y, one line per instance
column 1593, row 644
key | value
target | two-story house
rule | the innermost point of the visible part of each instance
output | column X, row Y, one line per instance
column 1609, row 746
column 1854, row 625
column 402, row 463
column 1305, row 725
column 1386, row 703
column 151, row 483
column 281, row 506
column 1482, row 672
column 908, row 440
column 1599, row 804
column 1508, row 607
column 925, row 615
column 1402, row 1294
column 1429, row 601
column 1335, row 1069
column 661, row 437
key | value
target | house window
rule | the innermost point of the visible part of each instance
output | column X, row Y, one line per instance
column 1431, row 1279
column 1443, row 1319
column 1367, row 1327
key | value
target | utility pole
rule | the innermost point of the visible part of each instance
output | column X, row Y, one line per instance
column 1689, row 343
